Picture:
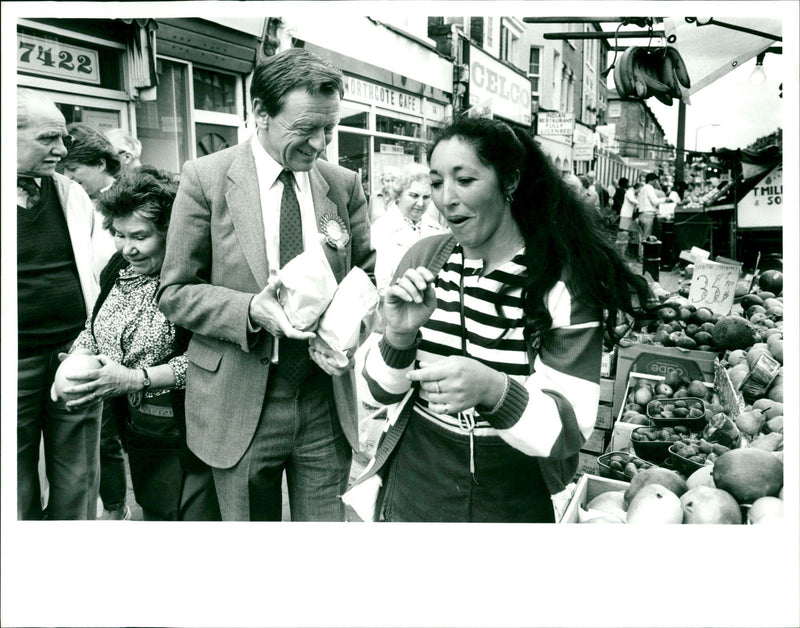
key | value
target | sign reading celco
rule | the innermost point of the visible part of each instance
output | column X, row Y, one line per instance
column 508, row 91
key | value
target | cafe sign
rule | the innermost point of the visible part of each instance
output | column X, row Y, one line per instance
column 54, row 59
column 508, row 91
column 382, row 96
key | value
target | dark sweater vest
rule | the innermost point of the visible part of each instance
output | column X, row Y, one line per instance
column 50, row 304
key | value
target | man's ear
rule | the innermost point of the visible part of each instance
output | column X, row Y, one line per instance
column 260, row 113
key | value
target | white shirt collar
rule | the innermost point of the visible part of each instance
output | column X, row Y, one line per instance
column 269, row 170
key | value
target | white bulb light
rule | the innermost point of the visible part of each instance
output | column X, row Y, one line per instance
column 758, row 76
column 702, row 21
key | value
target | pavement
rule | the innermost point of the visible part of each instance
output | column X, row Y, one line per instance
column 669, row 280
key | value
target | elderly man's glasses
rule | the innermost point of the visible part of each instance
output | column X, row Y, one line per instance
column 51, row 139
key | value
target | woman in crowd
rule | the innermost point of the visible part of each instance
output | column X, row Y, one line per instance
column 94, row 163
column 494, row 336
column 629, row 231
column 405, row 222
column 619, row 195
column 143, row 370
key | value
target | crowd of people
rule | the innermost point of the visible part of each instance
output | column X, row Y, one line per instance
column 498, row 281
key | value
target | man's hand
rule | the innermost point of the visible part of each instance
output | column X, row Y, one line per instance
column 321, row 353
column 266, row 312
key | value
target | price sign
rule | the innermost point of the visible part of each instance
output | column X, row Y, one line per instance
column 55, row 59
column 714, row 286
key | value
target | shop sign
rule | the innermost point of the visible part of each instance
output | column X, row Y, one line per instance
column 555, row 123
column 509, row 92
column 713, row 286
column 582, row 152
column 381, row 96
column 58, row 60
column 393, row 149
column 762, row 206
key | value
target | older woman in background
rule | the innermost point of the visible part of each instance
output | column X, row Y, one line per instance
column 143, row 368
column 407, row 221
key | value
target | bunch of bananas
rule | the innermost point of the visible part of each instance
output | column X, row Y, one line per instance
column 644, row 72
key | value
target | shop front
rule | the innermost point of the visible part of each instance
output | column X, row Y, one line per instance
column 185, row 102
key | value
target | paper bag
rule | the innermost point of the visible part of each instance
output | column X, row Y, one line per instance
column 308, row 287
column 356, row 300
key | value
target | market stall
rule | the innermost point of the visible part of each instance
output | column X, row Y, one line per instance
column 690, row 425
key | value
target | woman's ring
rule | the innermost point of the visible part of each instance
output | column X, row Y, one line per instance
column 438, row 391
column 446, row 409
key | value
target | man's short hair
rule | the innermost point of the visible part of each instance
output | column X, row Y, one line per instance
column 122, row 140
column 651, row 176
column 279, row 74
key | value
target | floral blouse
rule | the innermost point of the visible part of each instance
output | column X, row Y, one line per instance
column 130, row 329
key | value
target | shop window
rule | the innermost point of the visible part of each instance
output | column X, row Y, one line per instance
column 101, row 119
column 40, row 53
column 214, row 91
column 534, row 68
column 163, row 125
column 357, row 120
column 213, row 137
column 385, row 124
column 354, row 155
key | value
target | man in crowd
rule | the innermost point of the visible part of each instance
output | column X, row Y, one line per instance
column 260, row 398
column 128, row 147
column 380, row 201
column 57, row 284
column 648, row 201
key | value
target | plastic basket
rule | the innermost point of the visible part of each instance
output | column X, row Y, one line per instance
column 693, row 423
column 607, row 471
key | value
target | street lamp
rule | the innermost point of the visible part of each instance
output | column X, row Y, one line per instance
column 698, row 129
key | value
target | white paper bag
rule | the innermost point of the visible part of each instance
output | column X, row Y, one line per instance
column 308, row 287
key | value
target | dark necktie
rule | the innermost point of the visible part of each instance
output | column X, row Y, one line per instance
column 33, row 204
column 294, row 363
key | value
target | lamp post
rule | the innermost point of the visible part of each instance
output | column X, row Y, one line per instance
column 698, row 129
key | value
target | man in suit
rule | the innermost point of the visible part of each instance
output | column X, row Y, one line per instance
column 260, row 398
column 60, row 251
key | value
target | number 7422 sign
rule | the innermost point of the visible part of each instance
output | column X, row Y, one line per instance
column 714, row 286
column 55, row 59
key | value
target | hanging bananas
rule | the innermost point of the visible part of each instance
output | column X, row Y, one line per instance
column 644, row 72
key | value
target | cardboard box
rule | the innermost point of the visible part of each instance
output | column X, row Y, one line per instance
column 606, row 390
column 609, row 363
column 658, row 360
column 587, row 463
column 588, row 487
column 596, row 442
column 604, row 417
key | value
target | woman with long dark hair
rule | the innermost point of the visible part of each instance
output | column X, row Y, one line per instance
column 494, row 336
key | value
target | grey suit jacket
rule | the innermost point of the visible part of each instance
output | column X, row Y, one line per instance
column 215, row 262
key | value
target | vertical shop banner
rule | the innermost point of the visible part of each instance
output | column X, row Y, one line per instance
column 713, row 286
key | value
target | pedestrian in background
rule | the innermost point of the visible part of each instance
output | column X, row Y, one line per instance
column 93, row 162
column 381, row 200
column 619, row 196
column 648, row 201
column 128, row 148
column 260, row 399
column 57, row 285
column 404, row 223
column 501, row 345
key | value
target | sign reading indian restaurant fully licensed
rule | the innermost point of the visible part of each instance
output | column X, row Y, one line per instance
column 555, row 123
column 55, row 59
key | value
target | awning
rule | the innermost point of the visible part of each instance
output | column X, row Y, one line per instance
column 712, row 50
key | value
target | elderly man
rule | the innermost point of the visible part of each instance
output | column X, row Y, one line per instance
column 381, row 200
column 128, row 148
column 261, row 399
column 57, row 284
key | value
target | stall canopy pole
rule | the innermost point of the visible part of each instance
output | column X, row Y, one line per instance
column 681, row 141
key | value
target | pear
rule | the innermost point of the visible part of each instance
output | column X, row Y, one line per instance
column 655, row 503
column 704, row 504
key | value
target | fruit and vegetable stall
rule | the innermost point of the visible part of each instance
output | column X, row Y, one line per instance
column 690, row 427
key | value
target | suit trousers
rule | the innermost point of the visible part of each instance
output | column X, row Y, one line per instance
column 298, row 432
column 71, row 445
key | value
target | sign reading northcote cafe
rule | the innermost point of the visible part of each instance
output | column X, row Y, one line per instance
column 508, row 91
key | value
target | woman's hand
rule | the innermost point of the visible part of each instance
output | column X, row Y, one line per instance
column 457, row 383
column 110, row 380
column 408, row 304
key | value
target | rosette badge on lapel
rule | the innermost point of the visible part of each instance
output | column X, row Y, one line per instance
column 335, row 231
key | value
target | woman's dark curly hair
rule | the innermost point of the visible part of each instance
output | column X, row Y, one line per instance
column 148, row 192
column 91, row 148
column 563, row 234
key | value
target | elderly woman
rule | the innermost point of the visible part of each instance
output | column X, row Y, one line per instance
column 494, row 336
column 92, row 160
column 406, row 221
column 143, row 366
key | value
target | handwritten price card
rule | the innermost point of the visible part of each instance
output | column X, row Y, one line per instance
column 713, row 286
